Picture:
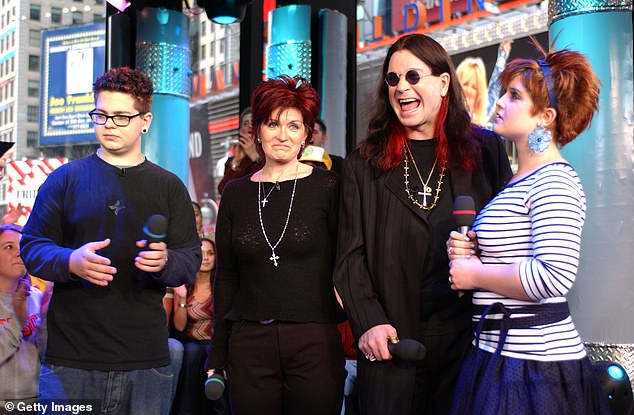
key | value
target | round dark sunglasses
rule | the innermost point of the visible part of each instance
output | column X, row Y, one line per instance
column 412, row 77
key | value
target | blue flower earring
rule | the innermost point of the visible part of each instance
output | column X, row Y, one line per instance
column 539, row 139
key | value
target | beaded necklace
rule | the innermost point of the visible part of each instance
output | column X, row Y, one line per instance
column 427, row 191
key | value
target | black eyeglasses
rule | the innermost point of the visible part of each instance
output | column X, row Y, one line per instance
column 412, row 77
column 118, row 120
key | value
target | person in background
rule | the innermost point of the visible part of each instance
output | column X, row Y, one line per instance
column 86, row 233
column 14, row 215
column 316, row 157
column 527, row 356
column 23, row 308
column 350, row 390
column 246, row 159
column 275, row 317
column 319, row 139
column 198, row 215
column 174, row 343
column 397, row 193
column 193, row 315
column 480, row 97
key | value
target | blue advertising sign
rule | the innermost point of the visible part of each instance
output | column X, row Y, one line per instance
column 72, row 58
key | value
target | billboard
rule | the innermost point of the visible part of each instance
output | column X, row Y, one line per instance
column 24, row 179
column 72, row 58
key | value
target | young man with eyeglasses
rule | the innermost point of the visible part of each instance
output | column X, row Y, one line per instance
column 398, row 191
column 107, row 339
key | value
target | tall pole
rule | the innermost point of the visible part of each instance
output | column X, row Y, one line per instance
column 251, row 52
column 601, row 301
column 162, row 53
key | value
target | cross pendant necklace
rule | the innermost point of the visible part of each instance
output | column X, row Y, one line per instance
column 426, row 189
column 266, row 198
column 426, row 192
column 274, row 258
column 262, row 202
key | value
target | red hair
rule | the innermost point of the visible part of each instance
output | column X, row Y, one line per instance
column 576, row 87
column 281, row 94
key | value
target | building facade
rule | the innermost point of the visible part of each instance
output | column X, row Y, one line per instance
column 21, row 26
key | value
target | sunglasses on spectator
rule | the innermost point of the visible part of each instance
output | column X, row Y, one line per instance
column 412, row 77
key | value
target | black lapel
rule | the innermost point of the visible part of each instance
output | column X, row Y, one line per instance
column 461, row 184
column 395, row 182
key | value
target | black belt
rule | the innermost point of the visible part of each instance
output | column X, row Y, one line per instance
column 540, row 315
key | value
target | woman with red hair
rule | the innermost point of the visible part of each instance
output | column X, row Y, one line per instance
column 275, row 320
column 398, row 190
column 527, row 356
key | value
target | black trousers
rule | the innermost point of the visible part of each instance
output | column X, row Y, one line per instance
column 285, row 368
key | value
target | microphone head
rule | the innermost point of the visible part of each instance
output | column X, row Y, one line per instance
column 464, row 211
column 155, row 229
column 214, row 387
column 408, row 349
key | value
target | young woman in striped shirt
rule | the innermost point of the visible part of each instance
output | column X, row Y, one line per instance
column 527, row 356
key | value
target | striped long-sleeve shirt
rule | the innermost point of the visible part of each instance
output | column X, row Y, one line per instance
column 536, row 221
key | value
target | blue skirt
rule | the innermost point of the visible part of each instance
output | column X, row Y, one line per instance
column 499, row 385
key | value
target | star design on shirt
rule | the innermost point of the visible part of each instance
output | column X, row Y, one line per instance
column 117, row 207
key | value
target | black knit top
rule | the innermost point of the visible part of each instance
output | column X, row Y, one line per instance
column 248, row 286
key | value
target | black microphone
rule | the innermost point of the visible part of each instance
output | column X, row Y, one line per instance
column 155, row 229
column 407, row 349
column 464, row 213
column 214, row 387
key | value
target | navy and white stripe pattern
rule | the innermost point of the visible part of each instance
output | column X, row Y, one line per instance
column 536, row 221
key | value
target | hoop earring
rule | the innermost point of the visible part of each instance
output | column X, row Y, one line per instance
column 539, row 139
column 144, row 130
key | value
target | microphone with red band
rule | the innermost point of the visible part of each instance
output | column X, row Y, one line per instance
column 464, row 214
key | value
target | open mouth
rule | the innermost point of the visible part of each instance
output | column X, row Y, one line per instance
column 408, row 104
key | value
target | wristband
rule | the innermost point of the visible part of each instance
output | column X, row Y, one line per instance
column 182, row 305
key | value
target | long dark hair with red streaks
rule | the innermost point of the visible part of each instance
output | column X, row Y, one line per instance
column 455, row 145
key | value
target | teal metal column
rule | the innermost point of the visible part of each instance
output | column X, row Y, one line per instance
column 290, row 47
column 602, row 301
column 162, row 52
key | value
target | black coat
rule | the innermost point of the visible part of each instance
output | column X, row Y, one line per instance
column 382, row 250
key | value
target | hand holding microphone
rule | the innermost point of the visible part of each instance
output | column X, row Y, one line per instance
column 374, row 346
column 407, row 349
column 155, row 258
column 462, row 245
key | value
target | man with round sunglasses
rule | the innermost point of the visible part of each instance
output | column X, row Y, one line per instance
column 398, row 190
column 107, row 341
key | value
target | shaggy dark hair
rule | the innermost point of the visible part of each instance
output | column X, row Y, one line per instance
column 129, row 81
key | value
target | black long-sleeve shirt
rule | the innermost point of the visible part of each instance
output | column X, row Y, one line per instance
column 248, row 286
column 120, row 326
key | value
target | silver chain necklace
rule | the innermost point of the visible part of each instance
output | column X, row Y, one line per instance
column 261, row 203
column 276, row 185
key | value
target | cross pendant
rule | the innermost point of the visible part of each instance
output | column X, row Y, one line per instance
column 264, row 202
column 274, row 258
column 426, row 192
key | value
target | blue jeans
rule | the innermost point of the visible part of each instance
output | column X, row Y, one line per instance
column 176, row 358
column 350, row 392
column 124, row 392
